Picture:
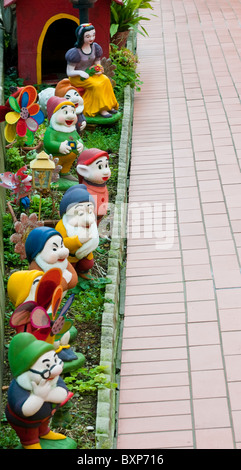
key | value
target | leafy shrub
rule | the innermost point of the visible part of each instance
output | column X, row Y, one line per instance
column 11, row 80
column 103, row 139
column 125, row 72
column 89, row 299
column 14, row 159
column 88, row 381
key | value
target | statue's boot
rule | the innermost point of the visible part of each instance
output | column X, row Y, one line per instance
column 53, row 436
column 33, row 446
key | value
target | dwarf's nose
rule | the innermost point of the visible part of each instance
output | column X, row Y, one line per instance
column 57, row 369
column 87, row 223
column 63, row 252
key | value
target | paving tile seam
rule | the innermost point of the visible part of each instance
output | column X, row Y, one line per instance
column 182, row 374
column 181, row 371
column 174, row 430
column 166, row 335
column 166, row 348
column 129, row 421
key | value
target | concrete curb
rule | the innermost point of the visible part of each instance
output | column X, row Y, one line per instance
column 106, row 403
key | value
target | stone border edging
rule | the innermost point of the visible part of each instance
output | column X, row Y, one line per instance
column 105, row 416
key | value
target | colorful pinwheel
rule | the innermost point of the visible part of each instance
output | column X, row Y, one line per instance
column 25, row 117
column 4, row 109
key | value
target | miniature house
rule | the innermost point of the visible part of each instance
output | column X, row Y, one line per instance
column 46, row 30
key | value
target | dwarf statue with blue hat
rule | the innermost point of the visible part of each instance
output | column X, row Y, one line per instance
column 45, row 250
column 36, row 392
column 78, row 227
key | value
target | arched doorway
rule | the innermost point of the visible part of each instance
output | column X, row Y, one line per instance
column 57, row 37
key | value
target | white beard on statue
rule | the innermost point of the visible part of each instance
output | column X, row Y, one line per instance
column 60, row 127
column 88, row 236
column 59, row 264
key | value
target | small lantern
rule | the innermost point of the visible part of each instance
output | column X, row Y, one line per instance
column 42, row 168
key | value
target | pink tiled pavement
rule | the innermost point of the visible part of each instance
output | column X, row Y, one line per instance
column 180, row 383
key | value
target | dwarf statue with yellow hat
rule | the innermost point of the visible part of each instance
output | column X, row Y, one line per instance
column 22, row 285
column 31, row 289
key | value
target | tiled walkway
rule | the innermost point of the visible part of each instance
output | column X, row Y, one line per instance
column 181, row 351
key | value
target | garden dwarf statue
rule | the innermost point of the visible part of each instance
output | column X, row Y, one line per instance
column 78, row 227
column 36, row 296
column 94, row 171
column 61, row 138
column 22, row 285
column 64, row 89
column 45, row 250
column 36, row 391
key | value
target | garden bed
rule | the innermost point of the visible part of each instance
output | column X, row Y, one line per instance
column 93, row 406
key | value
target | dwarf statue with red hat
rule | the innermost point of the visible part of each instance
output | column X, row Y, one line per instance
column 94, row 171
column 61, row 138
column 64, row 89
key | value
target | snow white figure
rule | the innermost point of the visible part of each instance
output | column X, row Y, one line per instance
column 85, row 71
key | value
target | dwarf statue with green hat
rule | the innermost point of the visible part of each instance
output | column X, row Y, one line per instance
column 36, row 391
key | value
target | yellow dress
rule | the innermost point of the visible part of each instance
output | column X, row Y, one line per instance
column 98, row 91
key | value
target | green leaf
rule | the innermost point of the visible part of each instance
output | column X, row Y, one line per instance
column 14, row 104
column 115, row 14
column 100, row 250
column 113, row 29
column 127, row 16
